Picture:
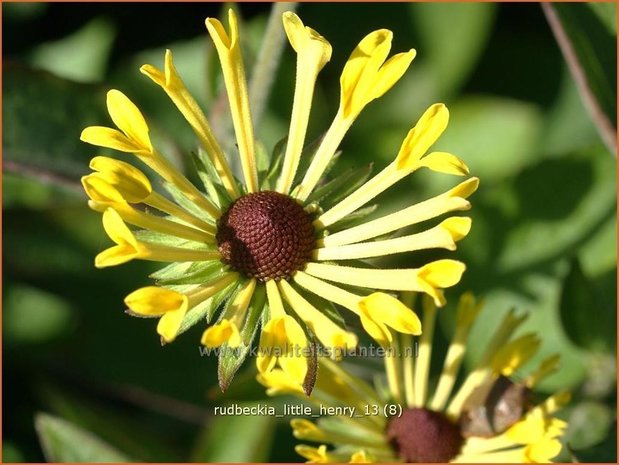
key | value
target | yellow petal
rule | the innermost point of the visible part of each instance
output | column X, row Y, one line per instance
column 360, row 71
column 515, row 353
column 116, row 255
column 313, row 454
column 220, row 333
column 99, row 190
column 236, row 86
column 279, row 382
column 305, row 429
column 443, row 162
column 376, row 329
column 117, row 230
column 170, row 323
column 294, row 361
column 390, row 311
column 266, row 359
column 313, row 53
column 419, row 139
column 391, row 72
column 439, row 275
column 132, row 184
column 154, row 301
column 128, row 118
column 174, row 86
column 303, row 38
column 360, row 457
column 109, row 138
column 543, row 451
column 329, row 334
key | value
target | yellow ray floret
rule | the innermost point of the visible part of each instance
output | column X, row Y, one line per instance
column 129, row 247
column 453, row 199
column 445, row 235
column 171, row 82
column 366, row 76
column 229, row 51
column 313, row 52
column 330, row 335
column 227, row 329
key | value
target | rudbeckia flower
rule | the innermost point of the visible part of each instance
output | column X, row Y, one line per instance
column 276, row 248
column 493, row 416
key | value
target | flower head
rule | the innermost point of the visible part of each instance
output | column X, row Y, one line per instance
column 491, row 417
column 264, row 250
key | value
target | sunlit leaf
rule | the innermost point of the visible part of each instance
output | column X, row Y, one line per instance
column 64, row 442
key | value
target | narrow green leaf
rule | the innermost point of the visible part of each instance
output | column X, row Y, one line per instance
column 341, row 186
column 195, row 273
column 63, row 441
column 205, row 310
column 231, row 359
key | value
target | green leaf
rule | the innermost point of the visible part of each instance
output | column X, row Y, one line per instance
column 607, row 12
column 43, row 118
column 233, row 439
column 582, row 318
column 452, row 36
column 231, row 359
column 81, row 56
column 588, row 425
column 184, row 202
column 34, row 316
column 497, row 137
column 63, row 441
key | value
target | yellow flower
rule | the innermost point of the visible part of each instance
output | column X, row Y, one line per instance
column 489, row 419
column 266, row 250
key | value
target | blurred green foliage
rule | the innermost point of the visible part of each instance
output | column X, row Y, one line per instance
column 543, row 238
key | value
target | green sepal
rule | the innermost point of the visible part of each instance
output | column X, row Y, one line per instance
column 353, row 219
column 206, row 309
column 266, row 177
column 340, row 187
column 196, row 273
column 155, row 237
column 186, row 203
column 210, row 179
column 231, row 359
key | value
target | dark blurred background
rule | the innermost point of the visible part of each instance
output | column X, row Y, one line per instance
column 544, row 218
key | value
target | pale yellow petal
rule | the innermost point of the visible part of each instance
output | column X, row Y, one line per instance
column 236, row 85
column 117, row 230
column 444, row 162
column 427, row 130
column 154, row 301
column 128, row 118
column 132, row 184
column 109, row 138
column 386, row 308
column 221, row 333
column 170, row 323
column 116, row 255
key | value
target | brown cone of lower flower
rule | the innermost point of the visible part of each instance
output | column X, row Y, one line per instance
column 265, row 235
column 421, row 435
